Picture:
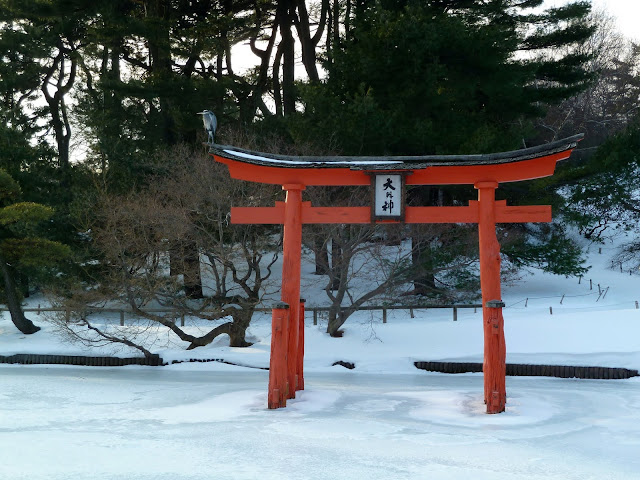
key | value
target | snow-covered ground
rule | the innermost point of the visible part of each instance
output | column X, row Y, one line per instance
column 384, row 419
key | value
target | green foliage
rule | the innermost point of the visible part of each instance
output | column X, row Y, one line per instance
column 450, row 77
column 150, row 71
column 549, row 250
column 429, row 78
column 9, row 188
column 34, row 253
column 407, row 77
column 24, row 215
column 21, row 242
column 603, row 193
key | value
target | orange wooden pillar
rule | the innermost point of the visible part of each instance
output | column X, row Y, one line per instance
column 291, row 258
column 277, row 395
column 494, row 344
column 300, row 364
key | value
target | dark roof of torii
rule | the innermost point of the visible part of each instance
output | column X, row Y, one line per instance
column 393, row 162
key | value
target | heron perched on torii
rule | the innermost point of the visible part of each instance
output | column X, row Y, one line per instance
column 210, row 124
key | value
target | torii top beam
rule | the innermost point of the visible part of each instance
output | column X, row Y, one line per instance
column 513, row 166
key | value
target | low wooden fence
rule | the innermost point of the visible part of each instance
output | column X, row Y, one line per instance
column 315, row 311
column 385, row 308
column 527, row 370
column 36, row 359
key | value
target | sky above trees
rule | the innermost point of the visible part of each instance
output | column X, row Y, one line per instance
column 626, row 13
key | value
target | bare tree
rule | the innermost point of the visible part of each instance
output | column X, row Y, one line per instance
column 382, row 262
column 190, row 202
column 356, row 257
column 611, row 100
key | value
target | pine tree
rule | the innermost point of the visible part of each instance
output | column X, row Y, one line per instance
column 22, row 250
column 447, row 77
column 42, row 41
column 150, row 67
column 603, row 192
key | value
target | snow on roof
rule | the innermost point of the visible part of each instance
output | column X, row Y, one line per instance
column 393, row 162
column 288, row 161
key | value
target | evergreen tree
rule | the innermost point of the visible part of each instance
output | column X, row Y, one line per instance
column 610, row 102
column 603, row 192
column 150, row 67
column 22, row 251
column 445, row 77
column 42, row 41
column 448, row 77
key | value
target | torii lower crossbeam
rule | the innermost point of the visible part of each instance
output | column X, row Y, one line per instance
column 362, row 215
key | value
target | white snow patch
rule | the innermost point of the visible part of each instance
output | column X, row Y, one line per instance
column 310, row 163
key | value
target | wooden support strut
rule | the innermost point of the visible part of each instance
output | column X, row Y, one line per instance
column 291, row 258
column 278, row 386
column 300, row 357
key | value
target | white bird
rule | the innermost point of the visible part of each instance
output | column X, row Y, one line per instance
column 210, row 124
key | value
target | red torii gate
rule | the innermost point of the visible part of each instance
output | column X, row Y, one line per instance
column 484, row 172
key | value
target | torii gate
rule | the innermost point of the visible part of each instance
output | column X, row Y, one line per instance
column 388, row 176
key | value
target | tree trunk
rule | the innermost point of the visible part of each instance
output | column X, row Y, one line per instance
column 187, row 261
column 192, row 278
column 22, row 323
column 184, row 259
column 336, row 320
column 286, row 14
column 336, row 264
column 23, row 284
column 238, row 328
column 424, row 283
column 307, row 41
column 321, row 253
column 159, row 43
column 58, row 110
column 277, row 86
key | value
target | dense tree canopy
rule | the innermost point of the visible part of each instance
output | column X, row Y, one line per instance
column 92, row 94
column 446, row 77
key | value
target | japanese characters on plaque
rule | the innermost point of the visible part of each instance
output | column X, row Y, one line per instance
column 388, row 196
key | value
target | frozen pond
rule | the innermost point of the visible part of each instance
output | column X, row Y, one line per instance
column 200, row 421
